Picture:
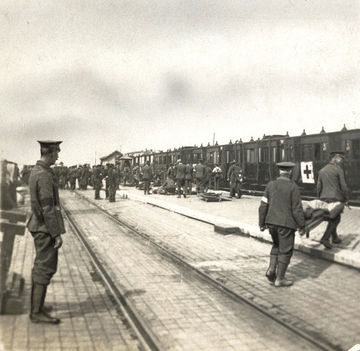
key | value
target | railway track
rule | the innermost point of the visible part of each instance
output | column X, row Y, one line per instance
column 83, row 216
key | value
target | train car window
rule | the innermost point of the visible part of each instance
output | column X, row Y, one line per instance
column 356, row 149
column 250, row 155
column 283, row 154
column 211, row 157
column 306, row 152
column 216, row 157
column 264, row 154
column 289, row 152
column 273, row 154
column 317, row 153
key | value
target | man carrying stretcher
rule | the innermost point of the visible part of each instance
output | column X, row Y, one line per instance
column 333, row 193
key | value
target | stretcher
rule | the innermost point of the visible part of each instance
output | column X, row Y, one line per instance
column 210, row 196
column 317, row 211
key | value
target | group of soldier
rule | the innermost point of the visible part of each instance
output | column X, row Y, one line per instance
column 180, row 178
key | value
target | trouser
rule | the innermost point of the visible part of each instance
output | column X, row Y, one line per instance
column 107, row 186
column 97, row 191
column 188, row 186
column 216, row 183
column 331, row 228
column 46, row 259
column 283, row 243
column 235, row 188
column 180, row 183
column 112, row 192
column 200, row 185
column 146, row 186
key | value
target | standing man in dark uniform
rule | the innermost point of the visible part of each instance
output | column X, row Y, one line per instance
column 147, row 176
column 180, row 170
column 236, row 179
column 46, row 226
column 282, row 212
column 201, row 176
column 97, row 176
column 332, row 187
column 112, row 182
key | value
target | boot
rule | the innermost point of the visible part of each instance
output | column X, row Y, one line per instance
column 281, row 280
column 271, row 271
column 45, row 308
column 37, row 315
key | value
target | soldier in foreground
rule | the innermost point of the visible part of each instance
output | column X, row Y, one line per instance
column 281, row 211
column 46, row 226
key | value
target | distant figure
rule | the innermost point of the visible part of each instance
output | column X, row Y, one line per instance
column 201, row 176
column 97, row 178
column 147, row 177
column 170, row 172
column 126, row 173
column 282, row 212
column 136, row 175
column 111, row 182
column 236, row 179
column 46, row 226
column 179, row 171
column 168, row 187
column 332, row 187
column 188, row 178
column 72, row 177
column 216, row 173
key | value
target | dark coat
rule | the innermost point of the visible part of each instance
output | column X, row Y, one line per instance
column 331, row 185
column 147, row 172
column 281, row 205
column 180, row 170
column 46, row 214
column 189, row 172
column 200, row 171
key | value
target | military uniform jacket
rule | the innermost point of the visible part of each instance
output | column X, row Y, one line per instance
column 180, row 170
column 46, row 214
column 281, row 205
column 189, row 172
column 147, row 172
column 331, row 185
column 200, row 171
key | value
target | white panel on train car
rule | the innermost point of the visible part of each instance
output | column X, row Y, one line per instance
column 307, row 172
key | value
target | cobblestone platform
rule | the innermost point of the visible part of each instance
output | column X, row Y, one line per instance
column 91, row 321
column 243, row 214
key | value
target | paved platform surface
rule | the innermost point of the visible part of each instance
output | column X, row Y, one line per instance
column 96, row 324
column 243, row 213
column 181, row 312
column 90, row 320
column 320, row 302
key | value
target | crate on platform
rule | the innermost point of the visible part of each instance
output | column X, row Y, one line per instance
column 226, row 229
column 12, row 300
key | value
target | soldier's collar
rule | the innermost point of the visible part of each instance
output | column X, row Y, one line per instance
column 44, row 165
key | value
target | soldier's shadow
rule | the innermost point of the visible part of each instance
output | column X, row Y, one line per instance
column 93, row 305
column 311, row 267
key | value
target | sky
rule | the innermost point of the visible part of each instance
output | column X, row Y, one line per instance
column 133, row 75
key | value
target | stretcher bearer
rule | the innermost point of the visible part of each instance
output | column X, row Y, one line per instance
column 332, row 187
column 281, row 211
column 46, row 226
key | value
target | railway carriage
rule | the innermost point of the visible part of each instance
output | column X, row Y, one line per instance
column 258, row 159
